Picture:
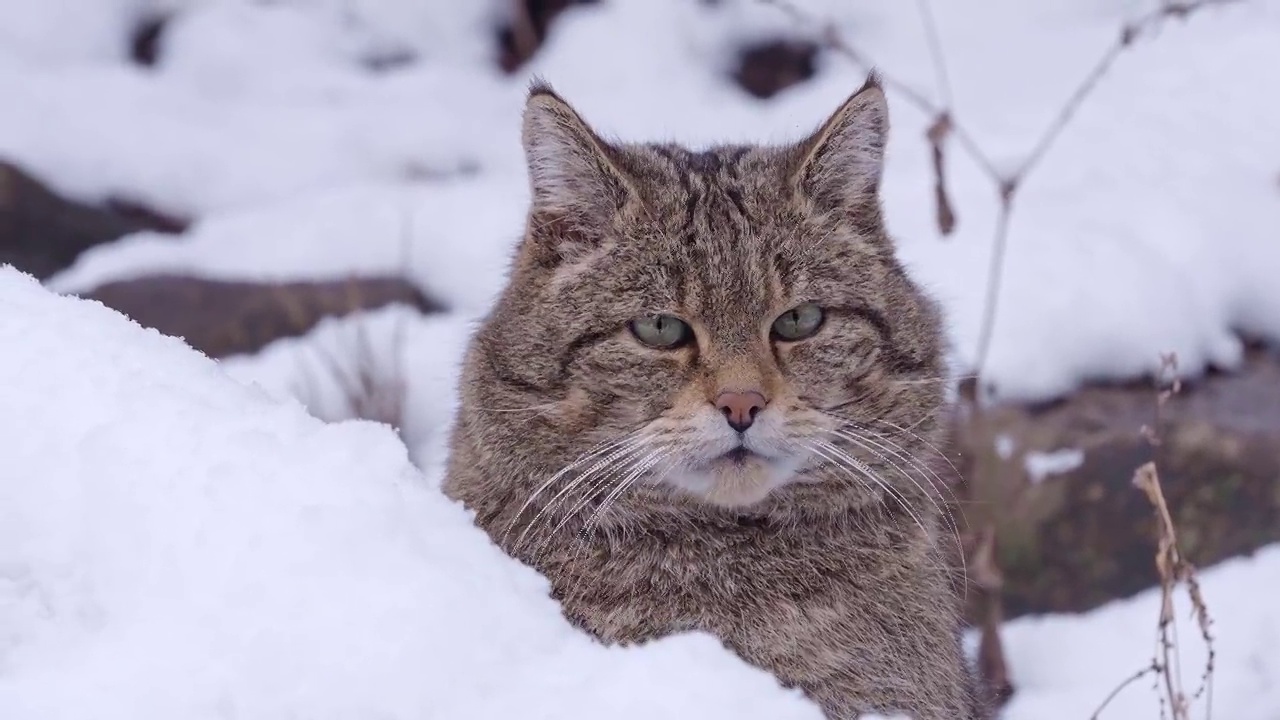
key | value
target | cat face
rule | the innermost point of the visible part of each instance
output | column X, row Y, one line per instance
column 728, row 325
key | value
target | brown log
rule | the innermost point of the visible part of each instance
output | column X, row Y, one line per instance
column 42, row 232
column 224, row 317
column 1074, row 541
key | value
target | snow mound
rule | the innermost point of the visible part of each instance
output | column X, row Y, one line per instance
column 1065, row 666
column 176, row 544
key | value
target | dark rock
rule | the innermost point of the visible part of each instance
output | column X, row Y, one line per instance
column 223, row 317
column 144, row 43
column 42, row 233
column 766, row 69
column 146, row 217
column 527, row 27
column 1073, row 541
column 388, row 59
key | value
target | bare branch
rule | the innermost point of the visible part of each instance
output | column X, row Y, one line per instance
column 945, row 125
column 995, row 276
column 1129, row 34
column 935, row 51
column 1115, row 692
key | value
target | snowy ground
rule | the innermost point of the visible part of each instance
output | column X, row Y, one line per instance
column 164, row 531
column 174, row 544
column 177, row 543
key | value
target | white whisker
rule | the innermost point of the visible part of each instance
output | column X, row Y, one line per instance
column 636, row 467
column 626, row 441
column 867, row 471
column 582, row 535
column 917, row 436
column 864, row 442
column 622, row 487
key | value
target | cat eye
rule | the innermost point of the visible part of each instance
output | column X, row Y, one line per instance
column 798, row 323
column 664, row 332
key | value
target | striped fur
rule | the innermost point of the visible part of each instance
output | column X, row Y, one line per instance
column 799, row 563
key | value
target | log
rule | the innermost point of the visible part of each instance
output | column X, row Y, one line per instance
column 230, row 317
column 1072, row 541
column 42, row 232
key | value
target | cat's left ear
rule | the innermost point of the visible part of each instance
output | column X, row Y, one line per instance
column 572, row 170
column 840, row 165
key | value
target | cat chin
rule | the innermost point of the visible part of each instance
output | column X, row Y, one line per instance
column 735, row 485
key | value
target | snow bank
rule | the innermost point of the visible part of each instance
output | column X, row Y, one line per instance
column 174, row 544
column 390, row 364
column 431, row 234
column 1065, row 666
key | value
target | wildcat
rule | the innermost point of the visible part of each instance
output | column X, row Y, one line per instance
column 702, row 403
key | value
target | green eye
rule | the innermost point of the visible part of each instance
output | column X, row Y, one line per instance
column 798, row 323
column 661, row 331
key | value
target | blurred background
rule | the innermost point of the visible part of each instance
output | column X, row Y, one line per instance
column 324, row 194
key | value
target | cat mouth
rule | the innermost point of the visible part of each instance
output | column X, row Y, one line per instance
column 738, row 456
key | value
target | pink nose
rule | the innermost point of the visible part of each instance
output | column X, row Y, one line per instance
column 740, row 408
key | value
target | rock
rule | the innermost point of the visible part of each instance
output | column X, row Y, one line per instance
column 145, row 40
column 223, row 317
column 768, row 68
column 42, row 233
column 1071, row 541
column 527, row 27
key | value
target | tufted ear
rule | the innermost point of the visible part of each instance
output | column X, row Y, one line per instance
column 573, row 172
column 841, row 163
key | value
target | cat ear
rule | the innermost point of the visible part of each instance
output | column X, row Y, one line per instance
column 841, row 163
column 571, row 169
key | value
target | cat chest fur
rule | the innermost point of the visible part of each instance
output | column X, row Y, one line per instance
column 808, row 607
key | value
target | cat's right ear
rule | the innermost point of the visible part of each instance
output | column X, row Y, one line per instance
column 572, row 171
column 841, row 164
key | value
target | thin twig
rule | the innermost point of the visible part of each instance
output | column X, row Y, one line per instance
column 995, row 276
column 935, row 52
column 945, row 124
column 993, row 669
column 1115, row 692
column 1174, row 570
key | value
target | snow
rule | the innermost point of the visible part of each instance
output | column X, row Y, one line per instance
column 1121, row 249
column 174, row 543
column 1065, row 666
column 1042, row 465
column 390, row 364
column 428, row 233
column 178, row 538
column 1005, row 446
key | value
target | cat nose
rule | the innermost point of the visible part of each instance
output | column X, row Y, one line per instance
column 740, row 408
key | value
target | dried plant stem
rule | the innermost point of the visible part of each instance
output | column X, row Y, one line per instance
column 1115, row 692
column 995, row 274
column 1174, row 571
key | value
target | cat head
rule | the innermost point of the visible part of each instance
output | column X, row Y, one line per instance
column 727, row 325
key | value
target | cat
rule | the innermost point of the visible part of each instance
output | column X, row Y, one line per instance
column 702, row 401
